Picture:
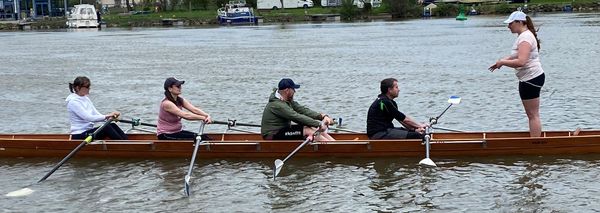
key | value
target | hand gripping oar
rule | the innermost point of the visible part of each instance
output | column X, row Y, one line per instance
column 279, row 163
column 186, row 185
column 427, row 161
column 87, row 140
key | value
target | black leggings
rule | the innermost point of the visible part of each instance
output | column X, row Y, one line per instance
column 183, row 135
column 112, row 131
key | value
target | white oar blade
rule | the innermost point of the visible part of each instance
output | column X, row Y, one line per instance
column 427, row 162
column 278, row 166
column 454, row 99
column 20, row 193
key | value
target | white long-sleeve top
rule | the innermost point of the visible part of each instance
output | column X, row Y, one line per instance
column 82, row 113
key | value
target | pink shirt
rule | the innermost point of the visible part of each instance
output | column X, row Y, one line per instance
column 168, row 123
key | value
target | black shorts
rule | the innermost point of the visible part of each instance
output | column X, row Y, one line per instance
column 531, row 89
column 294, row 132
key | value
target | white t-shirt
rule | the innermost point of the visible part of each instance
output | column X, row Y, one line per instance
column 533, row 67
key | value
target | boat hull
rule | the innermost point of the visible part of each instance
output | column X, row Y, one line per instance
column 240, row 20
column 348, row 145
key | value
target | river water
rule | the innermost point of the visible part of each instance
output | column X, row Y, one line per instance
column 230, row 71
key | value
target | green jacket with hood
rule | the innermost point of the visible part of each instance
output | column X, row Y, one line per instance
column 279, row 113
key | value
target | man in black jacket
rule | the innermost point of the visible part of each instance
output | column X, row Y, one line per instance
column 384, row 110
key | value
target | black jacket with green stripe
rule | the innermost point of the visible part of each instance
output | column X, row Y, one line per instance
column 278, row 114
column 381, row 114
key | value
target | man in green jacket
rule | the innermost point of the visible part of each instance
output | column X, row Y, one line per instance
column 282, row 109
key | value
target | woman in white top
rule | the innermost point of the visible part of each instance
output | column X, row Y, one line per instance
column 83, row 114
column 524, row 58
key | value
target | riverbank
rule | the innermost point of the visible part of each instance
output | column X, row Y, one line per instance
column 208, row 17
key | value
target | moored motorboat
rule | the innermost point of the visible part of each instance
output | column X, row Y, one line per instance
column 244, row 145
column 236, row 12
column 82, row 16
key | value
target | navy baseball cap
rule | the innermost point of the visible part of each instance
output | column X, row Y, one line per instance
column 287, row 83
column 172, row 81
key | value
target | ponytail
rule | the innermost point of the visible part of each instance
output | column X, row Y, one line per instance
column 532, row 29
column 169, row 97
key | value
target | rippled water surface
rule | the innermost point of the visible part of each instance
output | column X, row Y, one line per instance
column 230, row 71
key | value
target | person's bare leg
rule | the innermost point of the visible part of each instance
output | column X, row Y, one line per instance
column 324, row 136
column 532, row 108
column 308, row 132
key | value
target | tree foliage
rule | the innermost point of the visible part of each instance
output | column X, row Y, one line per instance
column 348, row 11
column 403, row 8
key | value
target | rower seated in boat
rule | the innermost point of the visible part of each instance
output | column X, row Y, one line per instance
column 282, row 109
column 83, row 113
column 384, row 110
column 170, row 112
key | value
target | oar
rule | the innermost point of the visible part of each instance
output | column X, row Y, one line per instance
column 186, row 185
column 87, row 140
column 279, row 163
column 136, row 122
column 447, row 129
column 232, row 123
column 343, row 130
column 427, row 161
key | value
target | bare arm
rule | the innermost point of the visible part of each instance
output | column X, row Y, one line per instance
column 197, row 111
column 524, row 49
column 523, row 55
column 410, row 123
column 172, row 108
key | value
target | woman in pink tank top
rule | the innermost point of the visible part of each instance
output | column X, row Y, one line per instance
column 171, row 111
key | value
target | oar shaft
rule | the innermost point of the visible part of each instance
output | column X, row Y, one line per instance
column 235, row 123
column 344, row 130
column 137, row 123
column 297, row 149
column 81, row 145
column 438, row 117
column 446, row 129
column 196, row 149
column 89, row 138
column 186, row 179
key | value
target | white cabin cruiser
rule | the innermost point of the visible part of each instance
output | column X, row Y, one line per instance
column 82, row 15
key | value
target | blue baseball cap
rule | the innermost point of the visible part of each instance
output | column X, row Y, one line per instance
column 287, row 83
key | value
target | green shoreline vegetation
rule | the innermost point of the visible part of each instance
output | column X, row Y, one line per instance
column 203, row 12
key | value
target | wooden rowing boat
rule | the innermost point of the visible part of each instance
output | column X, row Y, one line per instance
column 243, row 145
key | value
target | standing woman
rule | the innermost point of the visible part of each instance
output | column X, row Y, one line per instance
column 83, row 114
column 171, row 111
column 524, row 58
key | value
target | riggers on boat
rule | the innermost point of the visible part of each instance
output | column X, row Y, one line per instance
column 244, row 145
